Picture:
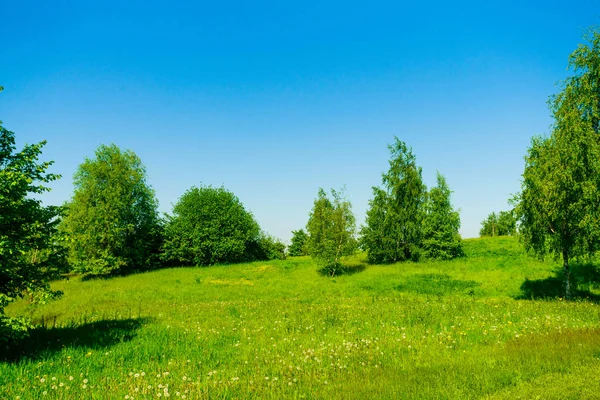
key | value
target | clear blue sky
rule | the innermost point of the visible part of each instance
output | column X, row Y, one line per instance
column 274, row 99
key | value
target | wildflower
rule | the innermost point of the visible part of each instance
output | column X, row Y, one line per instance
column 70, row 378
column 42, row 380
column 85, row 381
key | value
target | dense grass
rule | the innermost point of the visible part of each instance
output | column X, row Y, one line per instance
column 461, row 329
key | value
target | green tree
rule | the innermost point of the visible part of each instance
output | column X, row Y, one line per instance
column 211, row 226
column 502, row 224
column 441, row 239
column 331, row 228
column 394, row 223
column 489, row 226
column 507, row 223
column 267, row 247
column 30, row 248
column 559, row 204
column 299, row 246
column 112, row 218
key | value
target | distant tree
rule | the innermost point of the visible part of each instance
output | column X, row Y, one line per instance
column 441, row 239
column 331, row 227
column 267, row 247
column 299, row 246
column 502, row 224
column 489, row 226
column 507, row 223
column 31, row 252
column 112, row 218
column 559, row 204
column 394, row 223
column 211, row 226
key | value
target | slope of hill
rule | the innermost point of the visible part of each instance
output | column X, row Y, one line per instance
column 466, row 328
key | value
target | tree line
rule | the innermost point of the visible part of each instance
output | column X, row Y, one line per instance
column 111, row 224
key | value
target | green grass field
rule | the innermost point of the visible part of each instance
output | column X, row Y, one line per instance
column 484, row 326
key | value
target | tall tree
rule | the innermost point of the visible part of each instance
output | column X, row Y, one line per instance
column 30, row 247
column 112, row 218
column 394, row 223
column 441, row 239
column 559, row 205
column 331, row 227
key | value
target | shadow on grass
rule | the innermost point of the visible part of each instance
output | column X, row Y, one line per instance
column 437, row 284
column 583, row 278
column 344, row 269
column 43, row 342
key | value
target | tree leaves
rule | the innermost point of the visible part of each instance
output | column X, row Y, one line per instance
column 112, row 217
column 211, row 226
column 559, row 203
column 331, row 227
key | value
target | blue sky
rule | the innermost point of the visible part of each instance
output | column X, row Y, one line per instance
column 273, row 100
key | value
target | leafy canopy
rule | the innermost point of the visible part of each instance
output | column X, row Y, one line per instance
column 441, row 239
column 30, row 247
column 393, row 230
column 112, row 218
column 502, row 224
column 331, row 227
column 211, row 226
column 559, row 204
column 299, row 245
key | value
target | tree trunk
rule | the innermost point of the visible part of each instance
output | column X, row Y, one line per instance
column 567, row 272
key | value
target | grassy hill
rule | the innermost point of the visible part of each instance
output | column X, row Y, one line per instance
column 484, row 326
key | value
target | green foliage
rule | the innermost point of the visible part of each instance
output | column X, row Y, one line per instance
column 441, row 239
column 211, row 226
column 559, row 205
column 299, row 246
column 112, row 218
column 331, row 227
column 268, row 248
column 30, row 248
column 501, row 224
column 394, row 221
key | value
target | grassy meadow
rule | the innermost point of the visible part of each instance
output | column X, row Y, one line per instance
column 490, row 325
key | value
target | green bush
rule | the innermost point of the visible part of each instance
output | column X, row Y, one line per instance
column 211, row 226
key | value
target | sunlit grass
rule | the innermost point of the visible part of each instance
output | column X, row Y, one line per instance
column 280, row 330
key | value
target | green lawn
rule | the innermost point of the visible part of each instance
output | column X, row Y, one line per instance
column 477, row 327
